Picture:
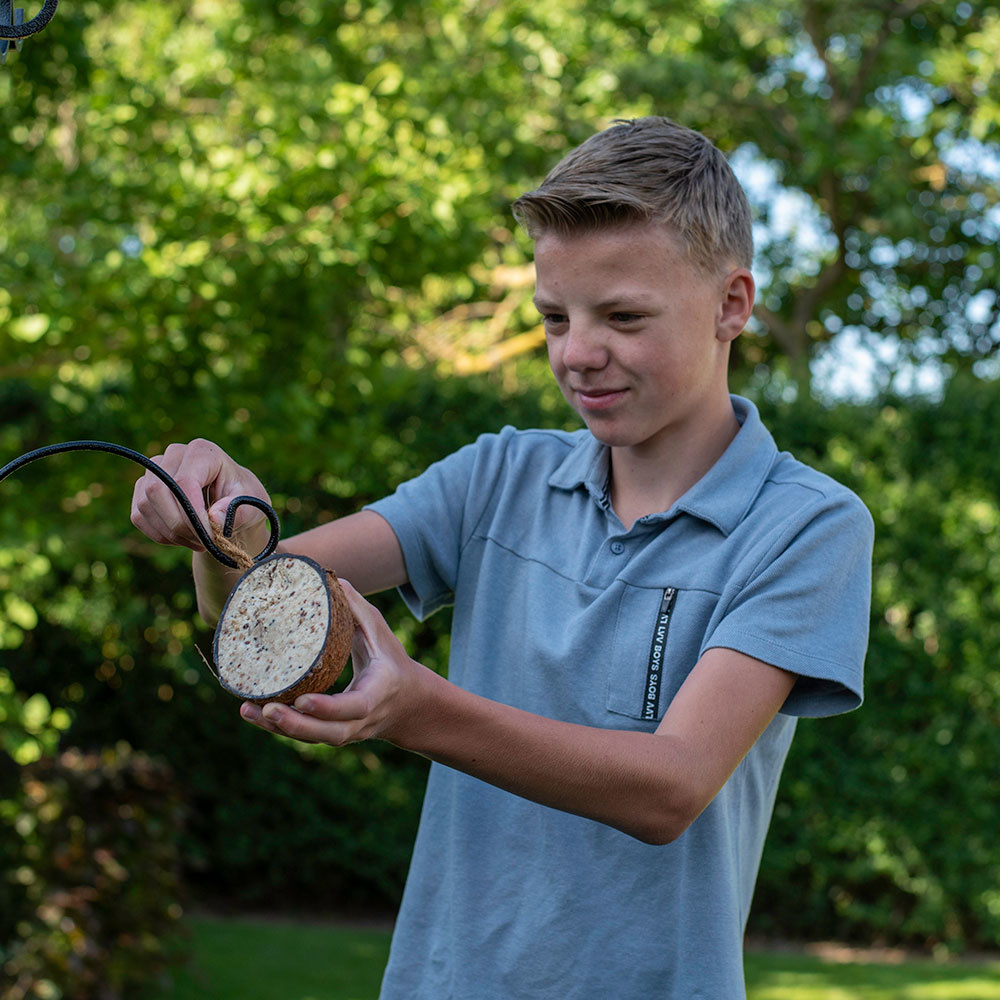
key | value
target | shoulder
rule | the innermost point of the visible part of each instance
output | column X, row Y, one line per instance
column 533, row 440
column 508, row 459
column 767, row 488
column 791, row 482
column 535, row 451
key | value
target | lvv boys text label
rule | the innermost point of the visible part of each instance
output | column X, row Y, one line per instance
column 654, row 670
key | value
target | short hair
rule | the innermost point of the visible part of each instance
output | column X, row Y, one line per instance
column 647, row 170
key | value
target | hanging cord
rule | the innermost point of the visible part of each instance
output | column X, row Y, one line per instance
column 13, row 29
column 227, row 551
column 12, row 24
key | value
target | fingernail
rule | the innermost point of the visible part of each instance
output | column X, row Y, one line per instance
column 271, row 711
column 304, row 704
column 250, row 712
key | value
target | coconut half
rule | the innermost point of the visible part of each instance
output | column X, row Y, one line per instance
column 286, row 630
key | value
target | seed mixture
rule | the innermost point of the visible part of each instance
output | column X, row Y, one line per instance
column 274, row 627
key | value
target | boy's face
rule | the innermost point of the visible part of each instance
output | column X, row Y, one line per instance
column 638, row 336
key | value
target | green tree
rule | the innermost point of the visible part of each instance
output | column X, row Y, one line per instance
column 884, row 117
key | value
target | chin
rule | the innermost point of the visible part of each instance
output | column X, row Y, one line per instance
column 623, row 436
column 613, row 437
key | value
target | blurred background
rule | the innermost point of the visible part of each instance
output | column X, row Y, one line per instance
column 284, row 225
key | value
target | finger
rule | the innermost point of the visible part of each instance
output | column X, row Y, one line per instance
column 290, row 722
column 253, row 714
column 345, row 706
column 166, row 512
column 141, row 516
column 156, row 512
column 202, row 465
column 228, row 479
column 144, row 515
column 362, row 649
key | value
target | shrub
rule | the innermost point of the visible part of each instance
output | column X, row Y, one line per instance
column 95, row 875
column 864, row 843
column 885, row 825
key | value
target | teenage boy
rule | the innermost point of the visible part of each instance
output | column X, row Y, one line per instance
column 642, row 608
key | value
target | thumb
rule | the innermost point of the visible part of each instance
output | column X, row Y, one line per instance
column 372, row 634
column 217, row 512
column 247, row 517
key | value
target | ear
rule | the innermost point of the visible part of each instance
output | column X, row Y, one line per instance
column 736, row 305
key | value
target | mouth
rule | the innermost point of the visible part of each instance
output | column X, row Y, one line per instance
column 599, row 399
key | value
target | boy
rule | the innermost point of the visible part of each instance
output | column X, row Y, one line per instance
column 642, row 608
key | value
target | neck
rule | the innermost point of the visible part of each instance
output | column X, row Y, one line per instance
column 651, row 478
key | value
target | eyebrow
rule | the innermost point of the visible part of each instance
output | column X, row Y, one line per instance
column 622, row 302
column 543, row 304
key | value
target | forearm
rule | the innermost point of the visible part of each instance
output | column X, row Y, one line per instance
column 643, row 784
column 649, row 785
column 361, row 548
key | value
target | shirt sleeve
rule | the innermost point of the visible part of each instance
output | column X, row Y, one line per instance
column 435, row 514
column 806, row 607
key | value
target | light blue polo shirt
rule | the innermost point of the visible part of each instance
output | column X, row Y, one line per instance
column 561, row 611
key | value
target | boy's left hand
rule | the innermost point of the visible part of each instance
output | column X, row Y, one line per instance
column 369, row 707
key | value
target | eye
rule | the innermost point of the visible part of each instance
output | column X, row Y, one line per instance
column 553, row 319
column 625, row 318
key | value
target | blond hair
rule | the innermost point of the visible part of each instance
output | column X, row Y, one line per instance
column 647, row 170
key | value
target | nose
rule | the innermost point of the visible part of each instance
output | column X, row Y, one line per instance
column 584, row 347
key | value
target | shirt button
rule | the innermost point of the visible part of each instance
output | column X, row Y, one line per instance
column 617, row 548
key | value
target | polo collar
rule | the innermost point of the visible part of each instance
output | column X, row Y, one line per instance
column 587, row 465
column 721, row 497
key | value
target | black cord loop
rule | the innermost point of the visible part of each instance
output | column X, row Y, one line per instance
column 135, row 456
column 12, row 28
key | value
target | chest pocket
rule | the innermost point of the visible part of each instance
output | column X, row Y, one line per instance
column 658, row 636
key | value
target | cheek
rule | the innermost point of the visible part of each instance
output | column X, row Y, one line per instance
column 555, row 357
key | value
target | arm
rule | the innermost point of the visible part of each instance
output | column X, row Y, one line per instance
column 649, row 785
column 361, row 547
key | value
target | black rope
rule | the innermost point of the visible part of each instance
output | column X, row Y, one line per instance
column 135, row 456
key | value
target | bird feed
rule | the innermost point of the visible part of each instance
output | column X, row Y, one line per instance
column 286, row 630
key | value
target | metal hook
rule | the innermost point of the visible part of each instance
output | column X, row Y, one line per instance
column 13, row 28
column 135, row 456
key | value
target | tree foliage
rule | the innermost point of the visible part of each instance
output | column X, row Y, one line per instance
column 885, row 824
column 344, row 155
column 884, row 119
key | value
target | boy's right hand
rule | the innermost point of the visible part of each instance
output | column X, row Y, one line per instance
column 211, row 480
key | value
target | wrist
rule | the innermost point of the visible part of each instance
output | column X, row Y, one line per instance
column 213, row 583
column 420, row 706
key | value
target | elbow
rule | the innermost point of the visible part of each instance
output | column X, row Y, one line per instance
column 658, row 834
column 661, row 826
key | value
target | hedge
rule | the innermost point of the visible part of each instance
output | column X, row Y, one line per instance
column 885, row 822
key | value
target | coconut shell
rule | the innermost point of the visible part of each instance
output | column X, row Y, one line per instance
column 286, row 630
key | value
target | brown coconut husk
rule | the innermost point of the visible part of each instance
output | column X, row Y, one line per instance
column 286, row 629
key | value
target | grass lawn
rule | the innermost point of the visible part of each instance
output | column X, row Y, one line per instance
column 804, row 977
column 247, row 959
